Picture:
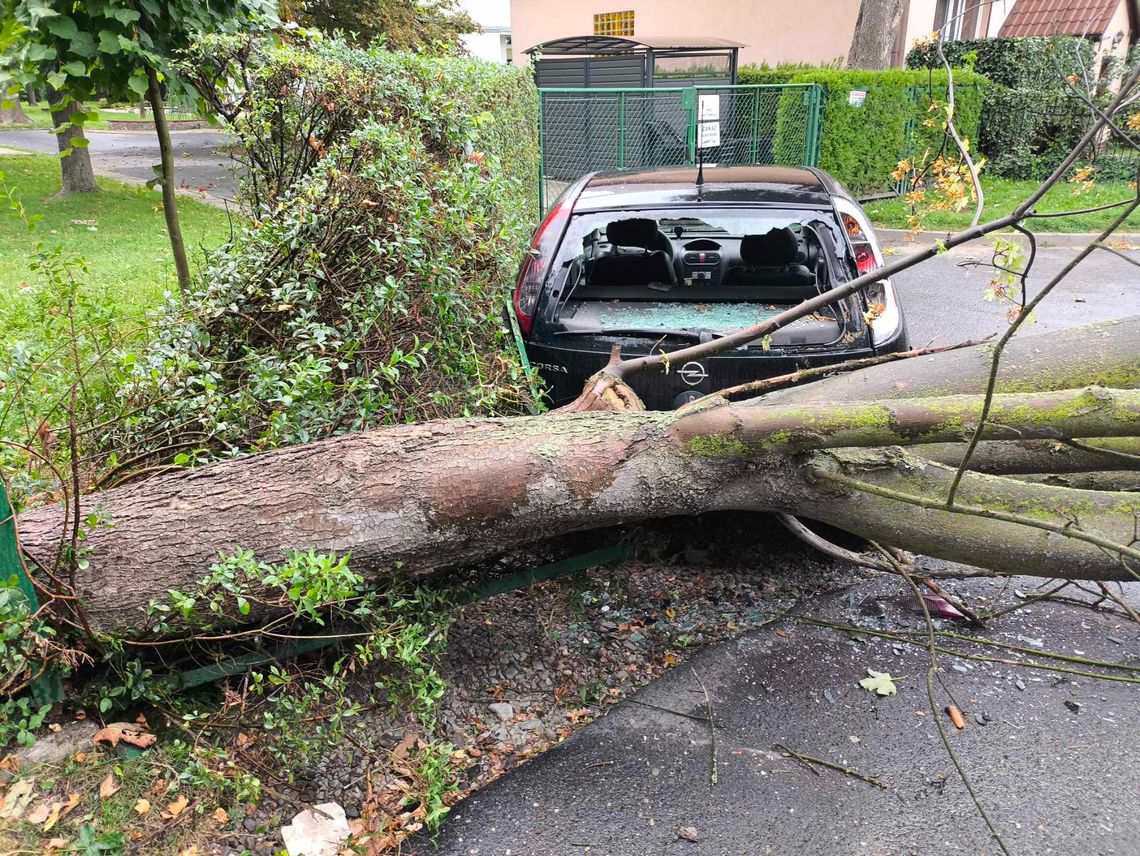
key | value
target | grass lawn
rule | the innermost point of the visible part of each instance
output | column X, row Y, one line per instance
column 1002, row 195
column 120, row 231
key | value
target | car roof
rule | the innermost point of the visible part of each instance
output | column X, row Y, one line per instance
column 769, row 185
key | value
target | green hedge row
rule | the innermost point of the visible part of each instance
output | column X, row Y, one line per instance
column 1029, row 122
column 1036, row 63
column 861, row 144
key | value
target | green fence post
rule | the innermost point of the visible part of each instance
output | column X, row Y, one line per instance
column 689, row 103
column 47, row 688
column 754, row 143
column 812, row 101
column 541, row 160
column 621, row 130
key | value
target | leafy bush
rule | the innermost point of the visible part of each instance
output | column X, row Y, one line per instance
column 369, row 288
column 1029, row 122
column 1036, row 63
column 902, row 114
column 300, row 100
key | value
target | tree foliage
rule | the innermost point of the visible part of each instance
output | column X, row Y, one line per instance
column 106, row 46
column 400, row 24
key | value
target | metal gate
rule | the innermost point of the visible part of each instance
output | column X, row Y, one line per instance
column 588, row 130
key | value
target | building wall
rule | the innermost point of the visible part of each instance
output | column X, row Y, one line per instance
column 774, row 31
column 494, row 16
column 1117, row 37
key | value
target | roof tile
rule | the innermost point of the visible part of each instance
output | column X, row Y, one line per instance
column 1058, row 17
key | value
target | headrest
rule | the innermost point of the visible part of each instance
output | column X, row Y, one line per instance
column 778, row 247
column 634, row 232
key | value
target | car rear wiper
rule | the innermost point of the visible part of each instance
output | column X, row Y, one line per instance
column 695, row 335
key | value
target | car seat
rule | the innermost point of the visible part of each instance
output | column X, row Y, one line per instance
column 639, row 254
column 773, row 259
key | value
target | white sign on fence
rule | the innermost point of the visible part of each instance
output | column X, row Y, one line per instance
column 708, row 121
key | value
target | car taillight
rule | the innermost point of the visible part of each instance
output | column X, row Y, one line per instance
column 533, row 272
column 865, row 258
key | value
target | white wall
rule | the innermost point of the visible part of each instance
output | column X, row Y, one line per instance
column 494, row 16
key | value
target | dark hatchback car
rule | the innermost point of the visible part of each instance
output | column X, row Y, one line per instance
column 654, row 261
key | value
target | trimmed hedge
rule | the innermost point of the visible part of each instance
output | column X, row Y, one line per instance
column 1029, row 122
column 1021, row 63
column 862, row 145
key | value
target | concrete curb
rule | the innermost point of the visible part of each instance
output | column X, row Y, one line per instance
column 1075, row 240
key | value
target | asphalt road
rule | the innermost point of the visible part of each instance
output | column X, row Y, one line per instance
column 1056, row 763
column 943, row 302
column 201, row 164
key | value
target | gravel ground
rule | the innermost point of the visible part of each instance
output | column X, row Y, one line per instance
column 527, row 668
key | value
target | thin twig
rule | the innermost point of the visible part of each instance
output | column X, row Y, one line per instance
column 932, row 648
column 808, row 760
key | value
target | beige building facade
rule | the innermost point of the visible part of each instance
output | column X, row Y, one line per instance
column 775, row 31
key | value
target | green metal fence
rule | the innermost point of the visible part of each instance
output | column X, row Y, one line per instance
column 587, row 130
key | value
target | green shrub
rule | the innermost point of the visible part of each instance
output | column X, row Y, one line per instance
column 1029, row 122
column 861, row 145
column 370, row 287
column 1037, row 63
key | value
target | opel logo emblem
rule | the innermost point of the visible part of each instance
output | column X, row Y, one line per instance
column 693, row 373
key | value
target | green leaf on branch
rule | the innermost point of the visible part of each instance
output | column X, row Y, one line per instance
column 138, row 83
column 75, row 68
column 82, row 44
column 109, row 42
column 125, row 15
column 80, row 142
column 63, row 27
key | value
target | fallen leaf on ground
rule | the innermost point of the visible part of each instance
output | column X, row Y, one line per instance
column 108, row 787
column 221, row 815
column 10, row 763
column 53, row 815
column 38, row 814
column 55, row 844
column 689, row 833
column 178, row 806
column 142, row 806
column 135, row 735
column 879, row 682
column 17, row 798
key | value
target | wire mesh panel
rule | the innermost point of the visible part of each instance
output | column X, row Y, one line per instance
column 613, row 130
column 739, row 125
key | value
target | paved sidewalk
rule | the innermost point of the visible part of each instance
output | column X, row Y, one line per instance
column 203, row 168
column 1056, row 764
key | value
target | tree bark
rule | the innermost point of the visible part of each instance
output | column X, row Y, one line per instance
column 425, row 497
column 169, row 189
column 13, row 115
column 75, row 167
column 876, row 30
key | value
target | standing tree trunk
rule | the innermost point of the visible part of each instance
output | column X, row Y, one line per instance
column 876, row 30
column 75, row 166
column 169, row 194
column 13, row 115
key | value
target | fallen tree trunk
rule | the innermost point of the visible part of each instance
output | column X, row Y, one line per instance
column 418, row 498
